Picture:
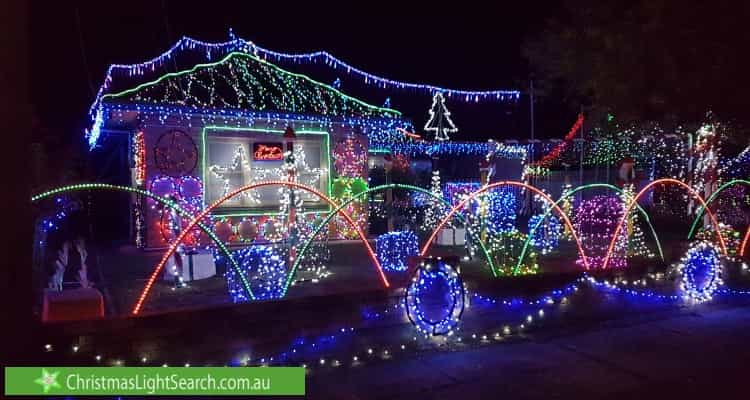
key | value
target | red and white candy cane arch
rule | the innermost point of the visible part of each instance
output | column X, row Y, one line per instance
column 641, row 193
column 485, row 188
column 139, row 304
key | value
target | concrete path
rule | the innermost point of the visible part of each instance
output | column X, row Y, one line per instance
column 701, row 353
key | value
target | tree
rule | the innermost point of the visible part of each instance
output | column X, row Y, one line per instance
column 439, row 118
column 645, row 59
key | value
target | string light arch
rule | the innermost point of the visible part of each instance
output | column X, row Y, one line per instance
column 167, row 202
column 377, row 188
column 643, row 191
column 485, row 188
column 714, row 195
column 172, row 248
column 587, row 187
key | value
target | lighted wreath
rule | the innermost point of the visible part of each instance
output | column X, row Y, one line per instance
column 175, row 153
column 435, row 298
column 700, row 272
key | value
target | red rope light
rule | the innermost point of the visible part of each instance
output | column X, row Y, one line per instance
column 461, row 205
column 409, row 134
column 641, row 193
column 202, row 214
column 744, row 242
column 555, row 153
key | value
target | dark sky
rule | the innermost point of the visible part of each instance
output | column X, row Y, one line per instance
column 473, row 48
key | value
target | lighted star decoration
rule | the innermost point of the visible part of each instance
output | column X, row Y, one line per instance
column 240, row 162
column 48, row 380
column 305, row 175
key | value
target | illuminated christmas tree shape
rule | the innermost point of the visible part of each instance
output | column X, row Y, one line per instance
column 435, row 210
column 304, row 174
column 440, row 119
column 636, row 238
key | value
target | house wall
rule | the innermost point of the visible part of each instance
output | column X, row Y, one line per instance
column 174, row 166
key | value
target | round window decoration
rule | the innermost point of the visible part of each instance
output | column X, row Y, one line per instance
column 701, row 272
column 175, row 153
column 435, row 298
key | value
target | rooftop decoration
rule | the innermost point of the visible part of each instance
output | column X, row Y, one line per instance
column 189, row 51
column 244, row 81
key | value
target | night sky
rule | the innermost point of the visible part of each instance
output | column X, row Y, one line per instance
column 474, row 48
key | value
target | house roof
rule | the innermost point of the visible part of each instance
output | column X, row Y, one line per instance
column 244, row 81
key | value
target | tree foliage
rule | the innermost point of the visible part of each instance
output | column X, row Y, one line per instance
column 645, row 59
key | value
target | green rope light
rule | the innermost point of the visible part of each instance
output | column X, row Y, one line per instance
column 330, row 216
column 711, row 198
column 162, row 200
column 577, row 189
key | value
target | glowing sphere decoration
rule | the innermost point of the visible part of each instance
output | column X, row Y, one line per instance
column 223, row 230
column 163, row 186
column 272, row 230
column 190, row 187
column 595, row 221
column 700, row 270
column 435, row 298
column 247, row 230
column 502, row 212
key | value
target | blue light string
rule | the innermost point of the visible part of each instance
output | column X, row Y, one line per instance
column 512, row 151
column 253, row 115
column 728, row 291
column 51, row 223
column 302, row 345
column 644, row 293
column 312, row 57
column 548, row 298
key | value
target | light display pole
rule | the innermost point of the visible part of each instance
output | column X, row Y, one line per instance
column 292, row 227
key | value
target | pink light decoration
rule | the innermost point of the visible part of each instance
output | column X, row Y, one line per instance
column 629, row 208
column 351, row 158
column 595, row 221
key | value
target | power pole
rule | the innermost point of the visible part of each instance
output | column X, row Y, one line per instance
column 580, row 163
column 531, row 107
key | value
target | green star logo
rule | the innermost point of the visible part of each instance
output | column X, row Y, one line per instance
column 48, row 380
